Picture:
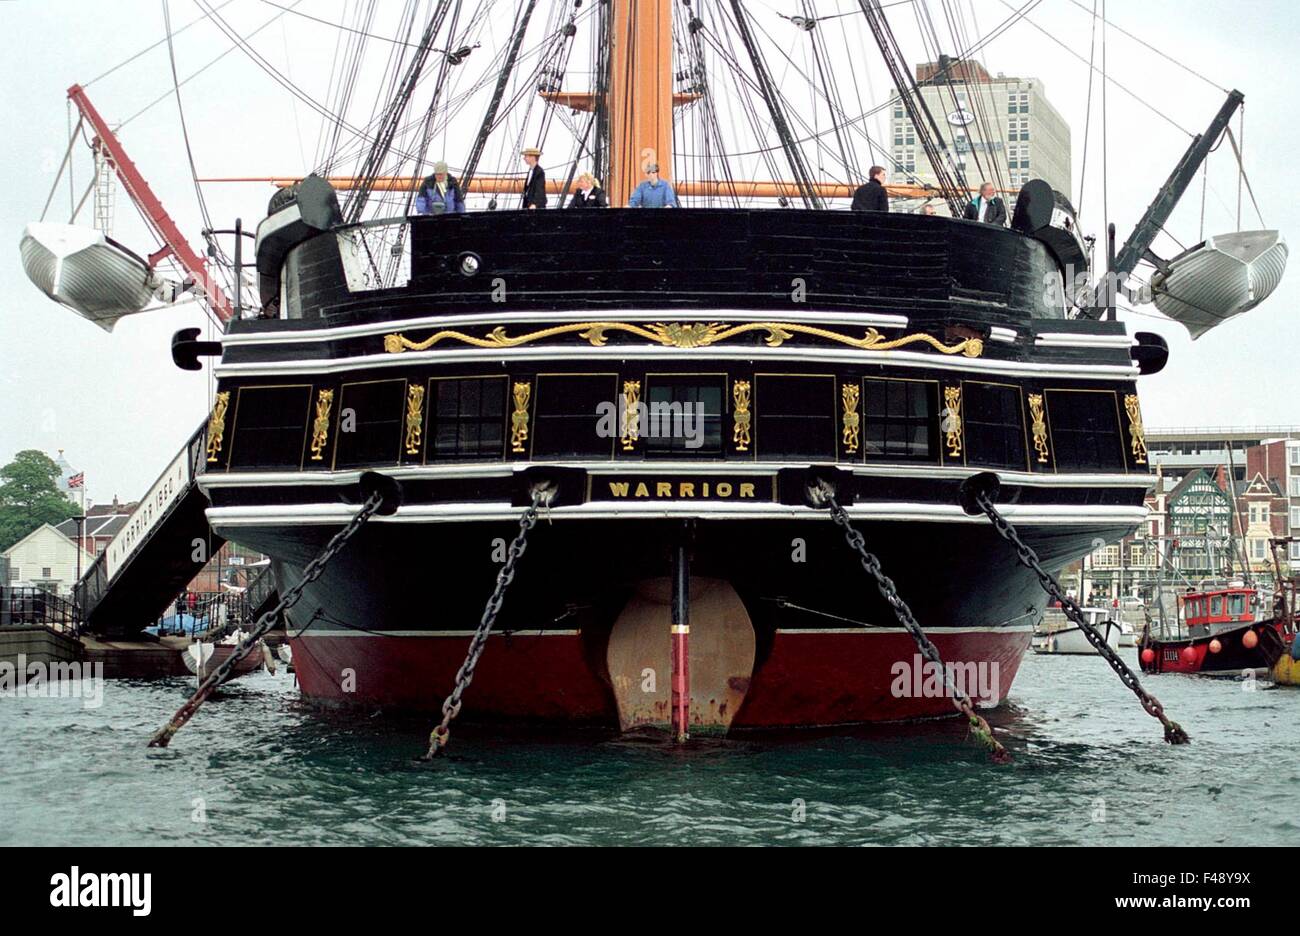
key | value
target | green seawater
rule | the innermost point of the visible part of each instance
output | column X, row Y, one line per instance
column 256, row 766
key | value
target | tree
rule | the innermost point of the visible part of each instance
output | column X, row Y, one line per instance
column 30, row 496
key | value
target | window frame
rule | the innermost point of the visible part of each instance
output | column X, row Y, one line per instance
column 647, row 380
column 428, row 420
column 535, row 416
column 833, row 411
column 935, row 457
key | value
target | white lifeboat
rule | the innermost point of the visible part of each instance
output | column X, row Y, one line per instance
column 1227, row 275
column 90, row 273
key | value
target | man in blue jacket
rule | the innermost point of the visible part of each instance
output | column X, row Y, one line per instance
column 654, row 192
column 439, row 193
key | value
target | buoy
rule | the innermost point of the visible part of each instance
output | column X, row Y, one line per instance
column 1215, row 646
column 1249, row 639
column 1189, row 655
column 1148, row 656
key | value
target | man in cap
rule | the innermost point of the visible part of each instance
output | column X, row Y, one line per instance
column 439, row 193
column 654, row 192
column 535, row 181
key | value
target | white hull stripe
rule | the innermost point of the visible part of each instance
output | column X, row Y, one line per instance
column 319, row 631
column 262, row 479
column 1067, row 340
column 222, row 518
column 586, row 354
column 542, row 316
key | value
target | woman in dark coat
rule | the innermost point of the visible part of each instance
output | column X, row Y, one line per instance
column 588, row 194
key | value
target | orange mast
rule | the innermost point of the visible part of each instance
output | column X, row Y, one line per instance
column 640, row 94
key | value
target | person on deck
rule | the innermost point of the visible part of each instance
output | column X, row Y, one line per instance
column 439, row 193
column 987, row 207
column 535, row 181
column 589, row 194
column 872, row 196
column 654, row 192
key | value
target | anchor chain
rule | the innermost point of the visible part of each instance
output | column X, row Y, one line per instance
column 822, row 493
column 1174, row 733
column 441, row 736
column 268, row 620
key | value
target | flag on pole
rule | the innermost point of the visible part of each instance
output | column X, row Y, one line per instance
column 77, row 480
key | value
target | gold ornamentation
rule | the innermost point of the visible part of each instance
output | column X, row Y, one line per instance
column 951, row 423
column 1039, row 426
column 414, row 418
column 682, row 335
column 850, row 394
column 741, row 415
column 1137, row 434
column 217, row 425
column 631, row 413
column 320, row 427
column 519, row 418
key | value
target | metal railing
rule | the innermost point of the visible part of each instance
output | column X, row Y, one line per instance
column 25, row 606
column 206, row 614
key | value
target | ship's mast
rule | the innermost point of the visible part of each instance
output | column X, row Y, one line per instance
column 640, row 93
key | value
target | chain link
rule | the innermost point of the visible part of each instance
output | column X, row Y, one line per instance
column 824, row 494
column 310, row 573
column 440, row 736
column 1174, row 733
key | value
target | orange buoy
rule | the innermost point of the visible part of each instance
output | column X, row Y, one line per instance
column 1249, row 639
column 1148, row 656
column 1189, row 655
column 1215, row 646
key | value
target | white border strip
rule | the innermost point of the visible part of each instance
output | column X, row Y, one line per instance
column 914, row 359
column 998, row 333
column 258, row 479
column 1067, row 340
column 337, row 514
column 542, row 316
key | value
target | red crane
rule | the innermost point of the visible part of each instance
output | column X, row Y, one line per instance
column 174, row 243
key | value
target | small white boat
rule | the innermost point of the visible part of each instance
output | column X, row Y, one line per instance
column 1057, row 634
column 1227, row 275
column 90, row 273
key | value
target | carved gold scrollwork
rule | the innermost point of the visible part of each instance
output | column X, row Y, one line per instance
column 1137, row 434
column 682, row 335
column 320, row 427
column 217, row 425
column 740, row 415
column 519, row 418
column 951, row 420
column 414, row 418
column 850, row 394
column 631, row 414
column 1039, row 426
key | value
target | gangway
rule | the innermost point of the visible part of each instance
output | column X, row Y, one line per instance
column 164, row 544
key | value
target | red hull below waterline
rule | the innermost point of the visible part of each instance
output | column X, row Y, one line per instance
column 807, row 678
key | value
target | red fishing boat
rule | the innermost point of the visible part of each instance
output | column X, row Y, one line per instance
column 1217, row 630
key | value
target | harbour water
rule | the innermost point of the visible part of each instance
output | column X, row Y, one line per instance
column 257, row 767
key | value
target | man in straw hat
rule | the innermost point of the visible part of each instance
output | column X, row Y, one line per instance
column 535, row 181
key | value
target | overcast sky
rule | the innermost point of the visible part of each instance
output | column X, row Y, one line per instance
column 121, row 410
